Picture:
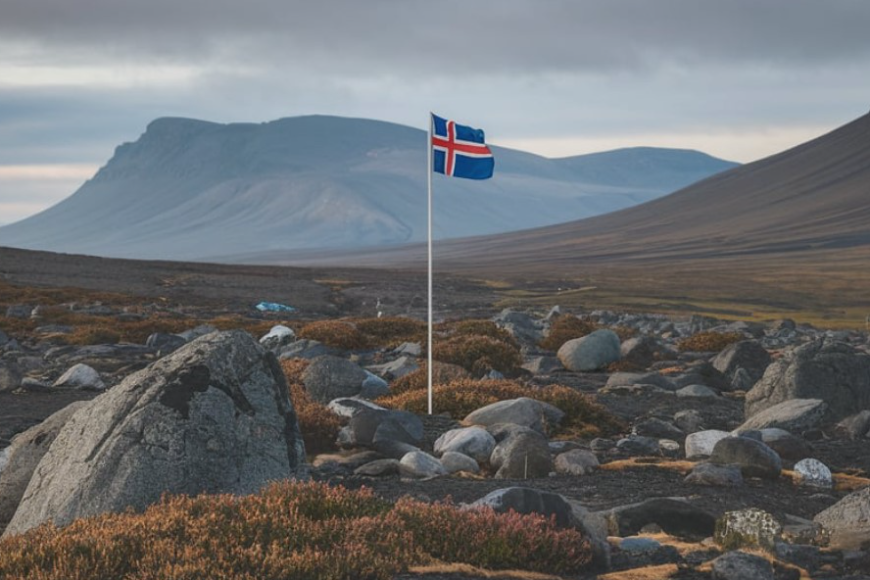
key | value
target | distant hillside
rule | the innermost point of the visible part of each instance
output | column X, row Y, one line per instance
column 189, row 190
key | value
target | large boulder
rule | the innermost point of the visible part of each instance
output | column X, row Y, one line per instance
column 212, row 417
column 523, row 454
column 526, row 500
column 591, row 352
column 471, row 441
column 522, row 411
column 748, row 355
column 848, row 521
column 754, row 457
column 831, row 371
column 24, row 454
column 794, row 415
column 331, row 377
column 675, row 516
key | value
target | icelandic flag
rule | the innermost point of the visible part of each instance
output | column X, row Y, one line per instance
column 459, row 150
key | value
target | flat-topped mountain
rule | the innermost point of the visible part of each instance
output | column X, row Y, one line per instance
column 189, row 189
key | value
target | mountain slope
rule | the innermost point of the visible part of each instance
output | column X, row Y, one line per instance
column 814, row 198
column 191, row 190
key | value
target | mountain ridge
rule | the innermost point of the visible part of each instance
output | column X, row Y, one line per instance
column 188, row 189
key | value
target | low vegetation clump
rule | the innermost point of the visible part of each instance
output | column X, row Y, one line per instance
column 391, row 331
column 478, row 354
column 335, row 333
column 319, row 426
column 304, row 531
column 583, row 417
column 566, row 328
column 482, row 327
column 709, row 341
column 442, row 374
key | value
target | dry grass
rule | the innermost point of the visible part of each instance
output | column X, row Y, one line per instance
column 339, row 334
column 566, row 328
column 681, row 466
column 467, row 570
column 709, row 341
column 842, row 481
column 661, row 572
column 478, row 354
column 442, row 374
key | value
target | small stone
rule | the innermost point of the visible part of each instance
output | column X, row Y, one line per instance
column 700, row 445
column 80, row 376
column 419, row 465
column 699, row 391
column 813, row 473
column 576, row 462
column 378, row 468
column 715, row 475
column 639, row 446
column 455, row 462
column 741, row 566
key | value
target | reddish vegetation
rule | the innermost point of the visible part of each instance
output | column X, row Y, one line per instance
column 709, row 341
column 335, row 333
column 290, row 530
column 478, row 354
column 566, row 328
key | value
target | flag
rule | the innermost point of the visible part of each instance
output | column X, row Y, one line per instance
column 459, row 150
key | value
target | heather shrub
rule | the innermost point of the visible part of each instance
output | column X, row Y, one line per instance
column 85, row 335
column 319, row 426
column 335, row 333
column 566, row 328
column 709, row 341
column 392, row 330
column 442, row 374
column 304, row 531
column 478, row 354
column 479, row 327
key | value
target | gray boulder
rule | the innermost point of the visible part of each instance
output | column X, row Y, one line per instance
column 699, row 445
column 754, row 457
column 522, row 411
column 304, row 348
column 576, row 462
column 82, row 377
column 741, row 566
column 697, row 391
column 10, row 378
column 164, row 343
column 277, row 338
column 591, row 352
column 786, row 445
column 330, row 377
column 454, row 462
column 420, row 465
column 654, row 427
column 855, row 426
column 642, row 350
column 395, row 369
column 847, row 522
column 378, row 468
column 526, row 329
column 637, row 445
column 748, row 355
column 676, row 516
column 794, row 415
column 368, row 427
column 525, row 500
column 471, row 441
column 24, row 454
column 213, row 417
column 627, row 379
column 831, row 371
column 715, row 475
column 522, row 455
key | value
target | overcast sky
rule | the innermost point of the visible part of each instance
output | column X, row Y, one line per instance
column 739, row 79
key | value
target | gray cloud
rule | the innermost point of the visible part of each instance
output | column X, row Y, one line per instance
column 451, row 36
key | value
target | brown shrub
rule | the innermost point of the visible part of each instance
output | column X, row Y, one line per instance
column 442, row 374
column 583, row 417
column 304, row 531
column 478, row 354
column 335, row 333
column 566, row 328
column 624, row 332
column 708, row 341
column 480, row 327
column 319, row 426
column 85, row 335
column 392, row 330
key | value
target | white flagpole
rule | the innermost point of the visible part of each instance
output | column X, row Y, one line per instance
column 429, row 178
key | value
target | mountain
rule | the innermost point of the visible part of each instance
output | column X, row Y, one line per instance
column 811, row 199
column 192, row 190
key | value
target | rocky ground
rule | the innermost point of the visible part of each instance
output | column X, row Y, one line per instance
column 791, row 392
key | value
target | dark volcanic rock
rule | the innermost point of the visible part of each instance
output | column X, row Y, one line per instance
column 213, row 417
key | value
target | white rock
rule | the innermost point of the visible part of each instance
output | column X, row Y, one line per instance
column 279, row 332
column 813, row 473
column 81, row 376
column 700, row 445
column 350, row 406
column 474, row 442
